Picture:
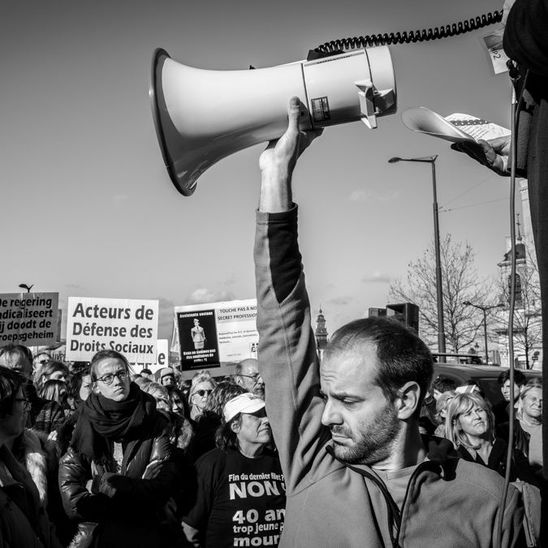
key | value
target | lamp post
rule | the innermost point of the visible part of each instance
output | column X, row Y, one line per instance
column 484, row 309
column 439, row 289
column 26, row 286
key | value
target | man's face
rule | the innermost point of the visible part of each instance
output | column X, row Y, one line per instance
column 362, row 420
column 17, row 362
column 113, row 371
column 250, row 378
column 168, row 380
column 505, row 389
column 254, row 428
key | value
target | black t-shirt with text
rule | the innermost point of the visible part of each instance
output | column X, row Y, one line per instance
column 240, row 502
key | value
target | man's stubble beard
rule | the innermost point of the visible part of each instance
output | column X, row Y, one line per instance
column 376, row 442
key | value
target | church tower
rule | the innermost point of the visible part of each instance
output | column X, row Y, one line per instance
column 321, row 333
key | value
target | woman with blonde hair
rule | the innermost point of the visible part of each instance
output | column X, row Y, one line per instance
column 470, row 426
column 200, row 389
column 528, row 424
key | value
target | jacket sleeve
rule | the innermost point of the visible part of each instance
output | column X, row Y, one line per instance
column 287, row 354
column 512, row 521
column 525, row 36
column 139, row 487
column 78, row 502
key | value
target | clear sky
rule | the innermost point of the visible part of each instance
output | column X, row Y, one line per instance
column 87, row 208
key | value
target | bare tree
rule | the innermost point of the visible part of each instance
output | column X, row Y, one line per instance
column 460, row 283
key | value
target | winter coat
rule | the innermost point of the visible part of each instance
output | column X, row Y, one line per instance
column 23, row 520
column 124, row 508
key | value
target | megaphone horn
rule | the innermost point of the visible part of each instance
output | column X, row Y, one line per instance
column 202, row 116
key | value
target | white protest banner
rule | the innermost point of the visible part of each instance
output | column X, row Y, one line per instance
column 129, row 326
column 29, row 318
column 214, row 333
column 162, row 358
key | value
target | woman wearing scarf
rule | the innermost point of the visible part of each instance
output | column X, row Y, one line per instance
column 117, row 474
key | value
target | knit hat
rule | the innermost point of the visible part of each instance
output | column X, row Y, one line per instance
column 165, row 371
column 244, row 403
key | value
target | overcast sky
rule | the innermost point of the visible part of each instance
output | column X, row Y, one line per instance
column 89, row 210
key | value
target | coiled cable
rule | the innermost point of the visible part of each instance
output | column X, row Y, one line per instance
column 344, row 44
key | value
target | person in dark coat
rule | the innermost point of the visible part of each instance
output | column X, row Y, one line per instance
column 118, row 475
column 23, row 518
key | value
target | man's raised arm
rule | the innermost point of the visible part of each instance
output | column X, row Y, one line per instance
column 287, row 353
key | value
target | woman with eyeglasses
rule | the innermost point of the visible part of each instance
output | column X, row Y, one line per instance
column 200, row 389
column 23, row 518
column 118, row 473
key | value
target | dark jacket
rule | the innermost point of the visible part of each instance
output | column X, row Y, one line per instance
column 23, row 519
column 128, row 509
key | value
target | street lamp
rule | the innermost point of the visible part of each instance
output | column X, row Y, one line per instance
column 484, row 309
column 27, row 287
column 439, row 290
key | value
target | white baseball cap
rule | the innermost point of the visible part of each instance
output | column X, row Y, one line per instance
column 244, row 403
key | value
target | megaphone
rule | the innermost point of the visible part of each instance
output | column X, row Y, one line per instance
column 202, row 116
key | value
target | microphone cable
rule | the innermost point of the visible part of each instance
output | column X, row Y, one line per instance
column 341, row 45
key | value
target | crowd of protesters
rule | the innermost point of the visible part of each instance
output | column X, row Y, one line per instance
column 99, row 454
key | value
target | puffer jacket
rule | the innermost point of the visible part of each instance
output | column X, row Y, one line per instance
column 125, row 508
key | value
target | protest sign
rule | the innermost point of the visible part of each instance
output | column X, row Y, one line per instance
column 29, row 318
column 128, row 326
column 162, row 358
column 215, row 333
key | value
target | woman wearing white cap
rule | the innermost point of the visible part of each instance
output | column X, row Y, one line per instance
column 241, row 490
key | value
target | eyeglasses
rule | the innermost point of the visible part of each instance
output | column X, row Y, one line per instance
column 203, row 393
column 109, row 379
column 26, row 403
column 255, row 378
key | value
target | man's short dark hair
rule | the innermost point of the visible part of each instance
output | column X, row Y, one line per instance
column 402, row 356
column 443, row 384
column 519, row 378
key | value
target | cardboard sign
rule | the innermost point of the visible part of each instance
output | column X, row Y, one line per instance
column 29, row 318
column 128, row 326
column 215, row 333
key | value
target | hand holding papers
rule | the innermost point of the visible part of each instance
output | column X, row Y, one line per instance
column 457, row 128
column 485, row 142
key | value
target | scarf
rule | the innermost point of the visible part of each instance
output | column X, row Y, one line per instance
column 103, row 420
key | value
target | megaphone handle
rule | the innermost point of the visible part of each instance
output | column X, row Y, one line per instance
column 367, row 103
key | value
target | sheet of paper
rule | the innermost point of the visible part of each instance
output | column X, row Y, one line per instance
column 457, row 127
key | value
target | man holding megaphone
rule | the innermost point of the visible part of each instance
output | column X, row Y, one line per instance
column 357, row 471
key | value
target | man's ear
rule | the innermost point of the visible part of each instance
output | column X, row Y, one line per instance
column 407, row 401
column 235, row 427
column 94, row 387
